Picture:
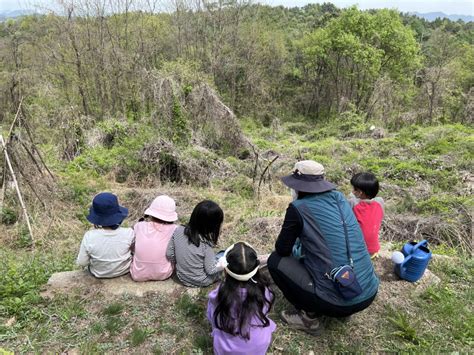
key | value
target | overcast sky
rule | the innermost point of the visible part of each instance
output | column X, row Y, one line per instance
column 449, row 7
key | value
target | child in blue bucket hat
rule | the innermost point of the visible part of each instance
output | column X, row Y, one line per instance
column 106, row 249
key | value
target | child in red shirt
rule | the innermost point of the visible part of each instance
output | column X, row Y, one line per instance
column 368, row 209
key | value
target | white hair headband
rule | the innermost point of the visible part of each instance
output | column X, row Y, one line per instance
column 238, row 277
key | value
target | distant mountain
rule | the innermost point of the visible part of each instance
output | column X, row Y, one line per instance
column 431, row 16
column 14, row 14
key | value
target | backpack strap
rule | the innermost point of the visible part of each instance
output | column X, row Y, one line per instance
column 346, row 236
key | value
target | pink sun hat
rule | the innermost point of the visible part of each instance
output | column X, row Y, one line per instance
column 163, row 207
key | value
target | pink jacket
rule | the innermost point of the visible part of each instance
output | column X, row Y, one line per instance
column 149, row 261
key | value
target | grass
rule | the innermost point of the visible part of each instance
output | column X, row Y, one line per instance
column 113, row 309
column 138, row 336
column 403, row 326
column 438, row 319
column 421, row 171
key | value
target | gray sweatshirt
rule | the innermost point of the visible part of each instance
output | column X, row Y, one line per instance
column 195, row 266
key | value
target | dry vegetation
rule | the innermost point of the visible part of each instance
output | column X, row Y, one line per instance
column 404, row 316
column 218, row 104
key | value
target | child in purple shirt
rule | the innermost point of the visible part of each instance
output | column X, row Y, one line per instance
column 238, row 309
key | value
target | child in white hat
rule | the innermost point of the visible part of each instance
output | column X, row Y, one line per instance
column 152, row 236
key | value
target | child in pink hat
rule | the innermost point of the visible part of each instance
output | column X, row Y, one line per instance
column 152, row 236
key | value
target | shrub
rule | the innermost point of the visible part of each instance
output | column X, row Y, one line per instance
column 240, row 185
column 8, row 216
column 180, row 131
column 115, row 131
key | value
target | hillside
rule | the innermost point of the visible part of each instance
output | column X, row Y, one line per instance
column 432, row 16
column 422, row 319
column 218, row 103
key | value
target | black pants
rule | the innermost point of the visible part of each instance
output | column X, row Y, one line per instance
column 295, row 282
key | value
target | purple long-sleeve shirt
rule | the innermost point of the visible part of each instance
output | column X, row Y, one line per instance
column 225, row 343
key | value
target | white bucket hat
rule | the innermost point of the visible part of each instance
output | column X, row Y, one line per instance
column 308, row 176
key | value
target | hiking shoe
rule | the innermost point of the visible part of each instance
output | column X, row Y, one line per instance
column 301, row 321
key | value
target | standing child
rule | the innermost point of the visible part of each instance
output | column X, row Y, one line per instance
column 105, row 250
column 238, row 309
column 190, row 247
column 152, row 236
column 368, row 209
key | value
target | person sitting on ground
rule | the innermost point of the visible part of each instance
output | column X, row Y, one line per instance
column 106, row 249
column 190, row 247
column 330, row 239
column 152, row 236
column 238, row 308
column 368, row 209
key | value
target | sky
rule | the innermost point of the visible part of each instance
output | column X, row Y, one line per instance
column 449, row 7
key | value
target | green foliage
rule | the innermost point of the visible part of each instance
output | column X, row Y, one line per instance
column 113, row 309
column 347, row 124
column 297, row 127
column 189, row 307
column 443, row 249
column 68, row 308
column 441, row 204
column 84, row 173
column 80, row 186
column 203, row 342
column 8, row 216
column 180, row 130
column 114, row 322
column 115, row 131
column 355, row 49
column 21, row 277
column 24, row 237
column 449, row 304
column 114, row 325
column 240, row 185
column 138, row 336
column 403, row 327
column 187, row 72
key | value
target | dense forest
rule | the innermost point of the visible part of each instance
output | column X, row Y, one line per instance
column 217, row 100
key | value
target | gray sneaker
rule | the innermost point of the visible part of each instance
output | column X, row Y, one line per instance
column 301, row 321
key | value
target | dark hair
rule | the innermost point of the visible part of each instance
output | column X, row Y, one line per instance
column 205, row 223
column 302, row 194
column 235, row 311
column 114, row 227
column 367, row 183
column 153, row 219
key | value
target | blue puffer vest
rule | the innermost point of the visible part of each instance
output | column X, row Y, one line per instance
column 324, row 245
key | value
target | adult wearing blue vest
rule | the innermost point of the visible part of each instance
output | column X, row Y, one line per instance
column 322, row 224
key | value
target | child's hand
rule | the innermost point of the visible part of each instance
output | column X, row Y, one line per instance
column 263, row 259
column 221, row 263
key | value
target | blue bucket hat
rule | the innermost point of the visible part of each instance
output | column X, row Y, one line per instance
column 106, row 211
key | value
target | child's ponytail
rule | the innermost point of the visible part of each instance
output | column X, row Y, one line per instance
column 244, row 297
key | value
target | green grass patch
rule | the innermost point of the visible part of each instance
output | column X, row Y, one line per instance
column 138, row 336
column 404, row 326
column 443, row 204
column 113, row 309
column 114, row 325
column 21, row 277
column 189, row 307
